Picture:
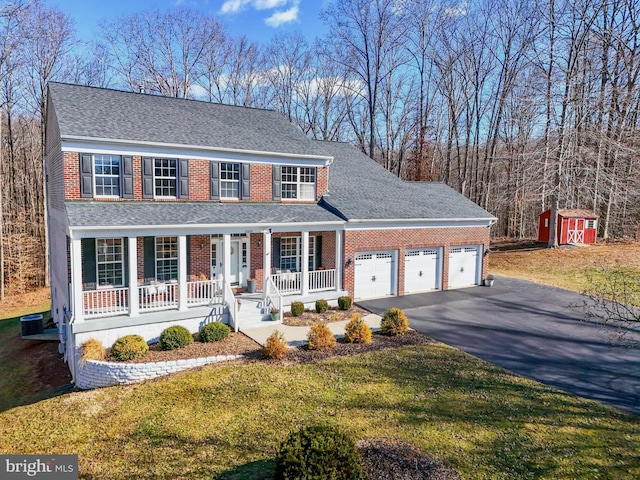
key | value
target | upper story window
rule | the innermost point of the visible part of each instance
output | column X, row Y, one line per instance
column 104, row 175
column 299, row 183
column 109, row 262
column 107, row 175
column 165, row 172
column 230, row 180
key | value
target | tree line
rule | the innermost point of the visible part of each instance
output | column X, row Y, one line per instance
column 519, row 105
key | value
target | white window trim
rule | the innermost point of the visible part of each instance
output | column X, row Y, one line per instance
column 95, row 186
column 164, row 259
column 175, row 178
column 298, row 184
column 121, row 262
column 221, row 180
column 298, row 255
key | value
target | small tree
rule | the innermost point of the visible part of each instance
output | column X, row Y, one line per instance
column 613, row 298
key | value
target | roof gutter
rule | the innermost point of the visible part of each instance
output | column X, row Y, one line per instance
column 491, row 220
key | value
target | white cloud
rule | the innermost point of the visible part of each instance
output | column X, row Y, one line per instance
column 233, row 6
column 283, row 16
column 287, row 9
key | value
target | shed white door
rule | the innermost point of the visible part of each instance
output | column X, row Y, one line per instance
column 464, row 266
column 422, row 270
column 374, row 274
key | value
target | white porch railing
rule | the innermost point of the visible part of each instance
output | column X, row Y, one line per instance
column 203, row 292
column 322, row 280
column 232, row 304
column 272, row 297
column 105, row 302
column 288, row 282
column 158, row 296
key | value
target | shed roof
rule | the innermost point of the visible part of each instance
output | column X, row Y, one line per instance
column 581, row 213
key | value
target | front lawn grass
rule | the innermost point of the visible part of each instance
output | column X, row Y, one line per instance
column 229, row 420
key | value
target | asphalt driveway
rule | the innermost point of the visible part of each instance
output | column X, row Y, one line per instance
column 532, row 330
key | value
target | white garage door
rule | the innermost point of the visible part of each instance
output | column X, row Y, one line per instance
column 422, row 270
column 374, row 274
column 463, row 266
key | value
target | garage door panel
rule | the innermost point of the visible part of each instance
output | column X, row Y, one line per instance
column 463, row 266
column 422, row 270
column 374, row 274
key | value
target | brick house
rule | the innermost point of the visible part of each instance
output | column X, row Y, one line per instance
column 167, row 211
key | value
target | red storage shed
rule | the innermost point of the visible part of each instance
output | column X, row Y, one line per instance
column 574, row 226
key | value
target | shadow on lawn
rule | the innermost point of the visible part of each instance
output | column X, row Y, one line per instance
column 37, row 370
column 258, row 470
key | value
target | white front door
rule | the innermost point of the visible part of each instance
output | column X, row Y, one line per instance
column 422, row 270
column 238, row 260
column 463, row 266
column 374, row 274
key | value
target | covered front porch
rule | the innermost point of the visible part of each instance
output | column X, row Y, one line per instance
column 133, row 276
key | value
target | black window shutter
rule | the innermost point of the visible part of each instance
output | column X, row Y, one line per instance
column 86, row 175
column 183, row 177
column 215, row 180
column 88, row 249
column 147, row 177
column 318, row 251
column 149, row 258
column 277, row 183
column 127, row 177
column 125, row 263
column 246, row 181
column 275, row 253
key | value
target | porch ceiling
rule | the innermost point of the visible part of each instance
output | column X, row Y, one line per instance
column 160, row 214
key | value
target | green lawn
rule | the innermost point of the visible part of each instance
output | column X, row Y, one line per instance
column 487, row 423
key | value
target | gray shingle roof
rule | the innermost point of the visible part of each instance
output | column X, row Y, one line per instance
column 361, row 189
column 101, row 113
column 125, row 214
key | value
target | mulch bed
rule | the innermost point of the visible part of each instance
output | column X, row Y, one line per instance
column 309, row 317
column 397, row 460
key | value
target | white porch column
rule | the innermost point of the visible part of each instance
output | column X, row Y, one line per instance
column 76, row 280
column 132, row 269
column 339, row 259
column 182, row 272
column 305, row 263
column 226, row 262
column 266, row 257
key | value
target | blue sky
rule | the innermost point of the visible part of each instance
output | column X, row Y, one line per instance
column 258, row 19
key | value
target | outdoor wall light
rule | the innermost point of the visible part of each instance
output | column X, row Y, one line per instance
column 487, row 252
column 348, row 263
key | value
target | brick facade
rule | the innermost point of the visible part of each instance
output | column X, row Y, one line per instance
column 400, row 240
column 200, row 257
column 199, row 181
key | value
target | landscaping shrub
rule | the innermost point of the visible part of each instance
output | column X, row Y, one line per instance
column 344, row 302
column 93, row 349
column 357, row 331
column 321, row 306
column 175, row 337
column 318, row 452
column 276, row 346
column 128, row 347
column 320, row 337
column 297, row 308
column 394, row 323
column 214, row 332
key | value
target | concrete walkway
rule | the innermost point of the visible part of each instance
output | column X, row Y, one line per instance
column 297, row 336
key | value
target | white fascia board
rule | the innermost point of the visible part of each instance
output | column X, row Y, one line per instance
column 418, row 223
column 173, row 230
column 149, row 149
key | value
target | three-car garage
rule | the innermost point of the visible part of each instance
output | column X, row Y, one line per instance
column 376, row 273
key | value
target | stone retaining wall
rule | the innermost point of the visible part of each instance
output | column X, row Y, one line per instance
column 95, row 374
